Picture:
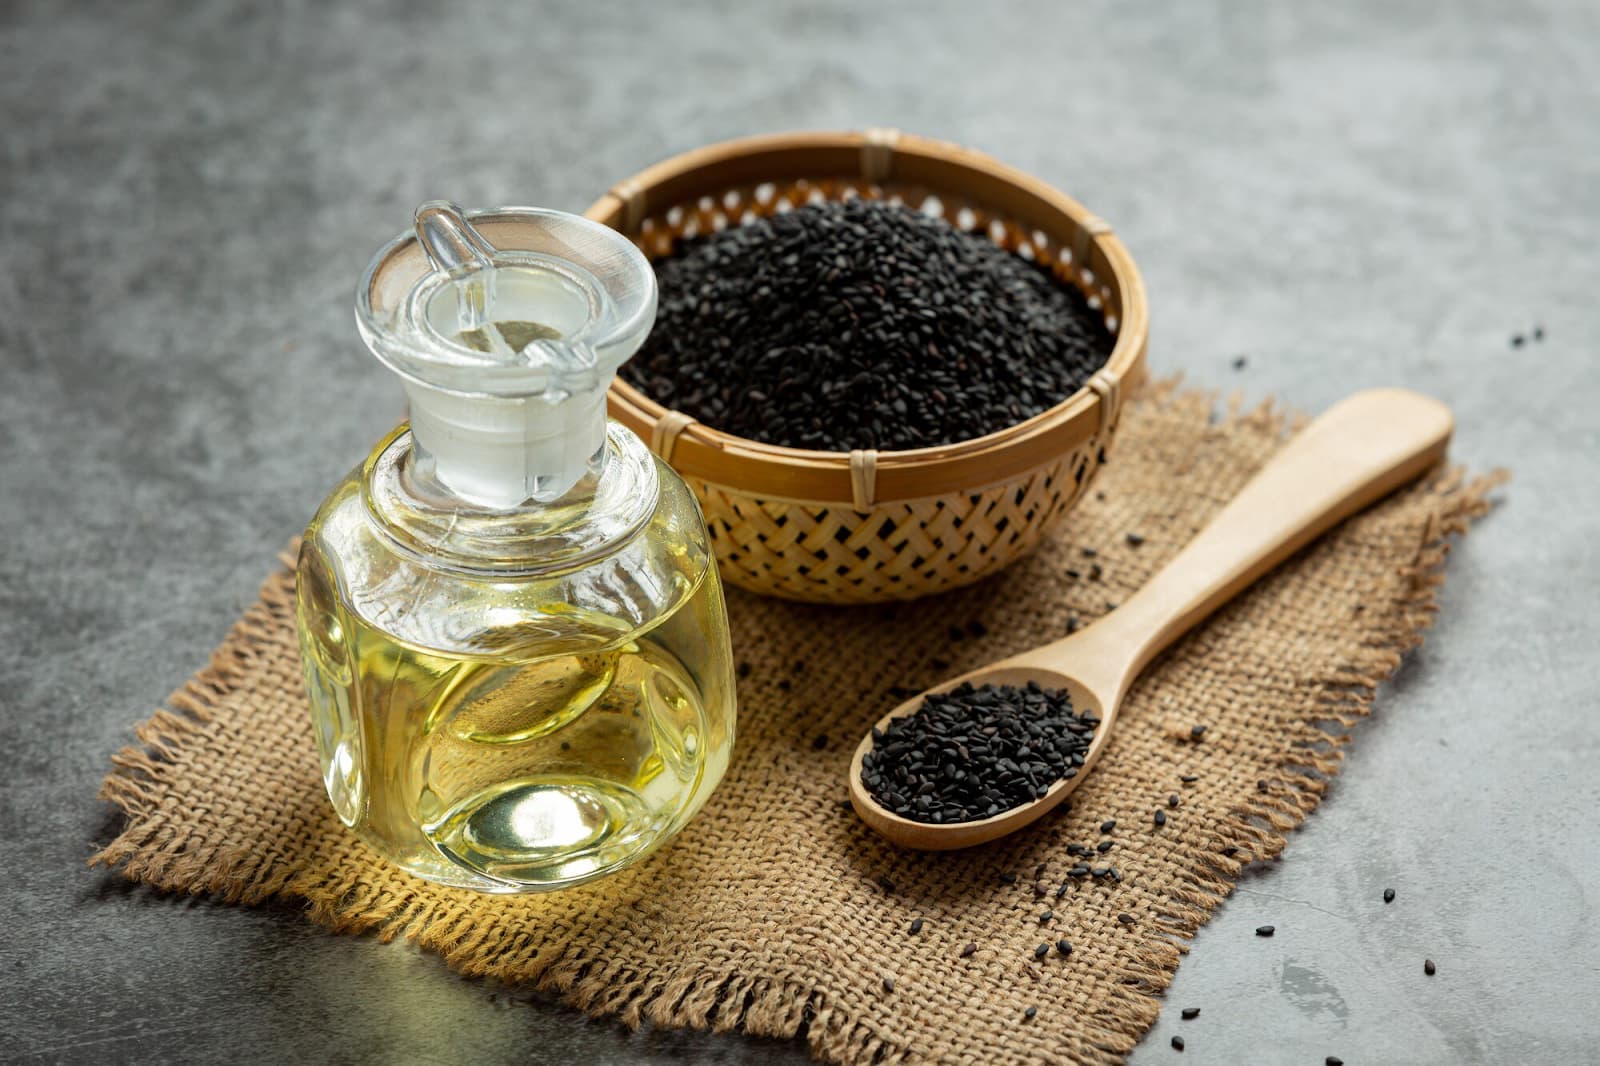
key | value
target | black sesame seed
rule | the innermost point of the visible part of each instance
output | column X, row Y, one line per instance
column 1517, row 340
column 1046, row 917
column 1030, row 1013
column 1089, row 553
column 744, row 670
column 1239, row 362
column 1190, row 1013
column 820, row 742
column 1388, row 895
column 1266, row 930
column 1189, row 779
column 957, row 633
column 785, row 685
column 1008, row 879
column 1538, row 333
column 1108, row 825
column 916, row 926
column 1333, row 1060
column 1230, row 851
column 977, row 629
column 1134, row 539
column 1197, row 732
column 968, row 951
column 1125, row 919
column 1062, row 891
column 862, row 324
column 1041, row 951
column 885, row 884
column 1172, row 800
column 1177, row 1043
column 1428, row 967
column 1161, row 818
column 1104, row 846
column 1063, row 947
column 975, row 751
column 888, row 984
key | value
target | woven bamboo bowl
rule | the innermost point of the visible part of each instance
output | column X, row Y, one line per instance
column 872, row 526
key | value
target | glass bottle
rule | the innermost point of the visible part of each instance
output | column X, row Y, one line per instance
column 511, row 624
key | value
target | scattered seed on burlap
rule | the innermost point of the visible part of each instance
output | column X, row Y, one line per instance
column 888, row 984
column 862, row 324
column 1172, row 800
column 820, row 743
column 916, row 926
column 1063, row 947
column 968, row 951
column 1030, row 1013
column 1041, row 951
column 1134, row 539
column 1104, row 846
column 1160, row 818
column 1108, row 825
column 1008, row 879
column 1125, row 919
column 1197, row 732
column 973, row 752
column 1189, row 779
column 886, row 884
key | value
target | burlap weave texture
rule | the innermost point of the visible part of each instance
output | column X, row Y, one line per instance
column 770, row 912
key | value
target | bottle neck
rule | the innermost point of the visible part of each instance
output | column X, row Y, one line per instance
column 500, row 453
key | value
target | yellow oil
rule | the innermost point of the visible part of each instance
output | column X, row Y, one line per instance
column 509, row 741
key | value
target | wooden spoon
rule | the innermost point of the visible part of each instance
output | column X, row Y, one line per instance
column 1357, row 452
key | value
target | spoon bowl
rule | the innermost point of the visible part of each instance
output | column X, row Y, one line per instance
column 1354, row 454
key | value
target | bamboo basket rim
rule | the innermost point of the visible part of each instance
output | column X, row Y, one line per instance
column 771, row 470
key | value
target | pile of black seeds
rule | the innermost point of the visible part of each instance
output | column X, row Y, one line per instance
column 972, row 753
column 862, row 324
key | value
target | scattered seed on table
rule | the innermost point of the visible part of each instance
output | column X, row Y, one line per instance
column 1125, row 919
column 1333, row 1060
column 968, row 951
column 1189, row 779
column 1177, row 1043
column 1041, row 951
column 1538, row 333
column 1428, row 967
column 1030, row 1013
column 916, row 926
column 1104, row 846
column 1266, row 930
column 1516, row 340
column 819, row 743
column 1388, row 895
column 1239, row 363
column 1190, row 1013
column 1172, row 799
column 1161, row 818
column 1197, row 732
column 1021, row 740
column 888, row 984
column 1045, row 918
column 1134, row 539
column 1063, row 947
column 1108, row 825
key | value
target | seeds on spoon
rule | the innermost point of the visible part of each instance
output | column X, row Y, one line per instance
column 975, row 752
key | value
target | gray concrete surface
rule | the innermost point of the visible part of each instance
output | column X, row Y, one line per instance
column 1378, row 192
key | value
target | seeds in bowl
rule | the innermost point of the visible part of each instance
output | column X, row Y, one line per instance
column 862, row 324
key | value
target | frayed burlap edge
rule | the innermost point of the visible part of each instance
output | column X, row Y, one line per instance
column 152, row 849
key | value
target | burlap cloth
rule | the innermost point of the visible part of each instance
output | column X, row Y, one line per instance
column 776, row 911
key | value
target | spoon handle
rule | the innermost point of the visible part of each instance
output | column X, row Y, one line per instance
column 1354, row 454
